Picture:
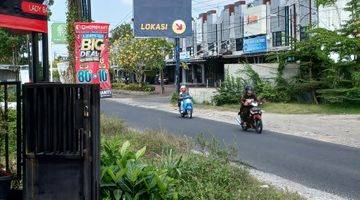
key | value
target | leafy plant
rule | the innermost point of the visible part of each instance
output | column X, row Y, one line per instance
column 230, row 91
column 134, row 87
column 124, row 176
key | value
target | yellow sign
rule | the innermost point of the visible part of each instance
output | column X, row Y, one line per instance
column 154, row 27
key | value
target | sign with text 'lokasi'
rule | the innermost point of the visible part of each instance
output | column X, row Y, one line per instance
column 162, row 18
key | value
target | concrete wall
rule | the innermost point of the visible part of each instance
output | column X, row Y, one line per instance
column 201, row 95
column 9, row 75
column 265, row 70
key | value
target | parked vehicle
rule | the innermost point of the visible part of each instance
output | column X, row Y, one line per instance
column 187, row 107
column 254, row 120
column 165, row 79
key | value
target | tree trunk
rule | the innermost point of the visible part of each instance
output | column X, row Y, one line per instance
column 144, row 79
column 313, row 93
column 162, row 81
column 138, row 76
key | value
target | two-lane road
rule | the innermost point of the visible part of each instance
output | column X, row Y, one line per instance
column 324, row 166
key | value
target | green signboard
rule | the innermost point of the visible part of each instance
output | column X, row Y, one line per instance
column 58, row 33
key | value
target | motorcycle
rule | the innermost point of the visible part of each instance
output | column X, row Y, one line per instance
column 254, row 120
column 187, row 107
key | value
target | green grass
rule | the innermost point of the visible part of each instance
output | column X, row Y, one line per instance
column 295, row 108
column 201, row 177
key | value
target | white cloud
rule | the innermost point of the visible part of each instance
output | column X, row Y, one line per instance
column 127, row 2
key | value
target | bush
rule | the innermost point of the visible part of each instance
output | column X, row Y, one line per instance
column 174, row 98
column 341, row 95
column 124, row 176
column 174, row 171
column 12, row 137
column 230, row 91
column 133, row 87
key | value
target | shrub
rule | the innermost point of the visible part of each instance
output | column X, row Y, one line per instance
column 174, row 171
column 341, row 95
column 134, row 87
column 123, row 176
column 230, row 91
column 174, row 98
column 12, row 136
column 209, row 178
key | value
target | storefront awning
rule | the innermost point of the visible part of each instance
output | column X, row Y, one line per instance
column 24, row 15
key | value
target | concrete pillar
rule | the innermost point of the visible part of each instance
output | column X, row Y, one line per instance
column 183, row 76
column 193, row 74
column 203, row 74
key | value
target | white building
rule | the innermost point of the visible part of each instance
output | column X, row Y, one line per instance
column 333, row 17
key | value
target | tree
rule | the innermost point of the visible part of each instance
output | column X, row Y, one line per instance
column 73, row 15
column 137, row 55
column 121, row 32
column 12, row 46
column 329, row 61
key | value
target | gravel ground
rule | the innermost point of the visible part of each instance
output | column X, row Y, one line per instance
column 291, row 186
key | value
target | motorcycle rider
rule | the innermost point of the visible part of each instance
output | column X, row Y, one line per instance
column 245, row 105
column 183, row 93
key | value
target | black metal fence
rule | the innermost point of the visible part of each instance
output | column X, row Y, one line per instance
column 61, row 141
column 10, row 122
column 10, row 138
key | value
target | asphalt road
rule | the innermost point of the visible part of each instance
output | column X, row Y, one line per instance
column 324, row 166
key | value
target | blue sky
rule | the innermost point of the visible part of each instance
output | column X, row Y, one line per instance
column 116, row 12
column 110, row 11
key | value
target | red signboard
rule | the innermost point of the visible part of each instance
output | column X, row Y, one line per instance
column 92, row 55
column 34, row 8
column 24, row 15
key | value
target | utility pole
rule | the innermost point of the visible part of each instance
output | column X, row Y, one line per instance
column 45, row 57
column 35, row 56
column 310, row 15
column 177, row 60
column 86, row 10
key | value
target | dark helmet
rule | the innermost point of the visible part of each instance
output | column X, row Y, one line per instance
column 249, row 88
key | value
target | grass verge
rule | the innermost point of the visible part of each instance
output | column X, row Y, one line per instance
column 198, row 176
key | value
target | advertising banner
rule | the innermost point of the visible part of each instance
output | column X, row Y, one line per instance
column 24, row 15
column 256, row 44
column 92, row 56
column 162, row 18
column 255, row 21
column 58, row 33
column 184, row 56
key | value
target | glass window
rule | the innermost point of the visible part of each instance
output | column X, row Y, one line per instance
column 277, row 38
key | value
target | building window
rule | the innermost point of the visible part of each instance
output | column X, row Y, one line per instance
column 198, row 49
column 277, row 39
column 239, row 44
column 223, row 44
column 190, row 49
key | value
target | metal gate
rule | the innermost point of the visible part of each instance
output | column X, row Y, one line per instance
column 61, row 141
column 10, row 136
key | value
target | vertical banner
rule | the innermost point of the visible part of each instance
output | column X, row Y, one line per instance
column 92, row 55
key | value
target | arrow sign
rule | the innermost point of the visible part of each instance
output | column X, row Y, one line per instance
column 179, row 27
